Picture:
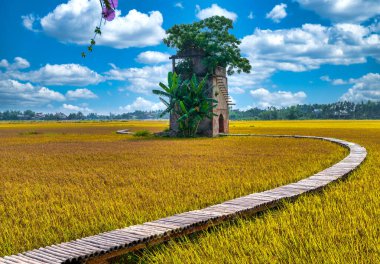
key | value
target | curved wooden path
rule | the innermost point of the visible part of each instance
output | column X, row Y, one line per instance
column 105, row 246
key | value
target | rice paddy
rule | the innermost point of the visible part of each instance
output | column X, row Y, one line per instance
column 339, row 225
column 61, row 181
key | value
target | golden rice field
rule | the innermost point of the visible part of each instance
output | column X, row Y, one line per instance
column 339, row 225
column 61, row 181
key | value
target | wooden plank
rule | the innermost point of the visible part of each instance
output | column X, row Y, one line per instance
column 182, row 223
column 122, row 240
column 91, row 249
column 75, row 246
column 75, row 252
column 10, row 259
column 108, row 245
column 38, row 257
column 25, row 260
column 143, row 233
column 29, row 260
column 56, row 254
column 45, row 255
column 221, row 210
column 128, row 235
column 131, row 235
column 174, row 229
column 101, row 248
column 211, row 215
column 272, row 197
column 111, row 240
column 293, row 190
column 164, row 230
column 58, row 251
column 246, row 203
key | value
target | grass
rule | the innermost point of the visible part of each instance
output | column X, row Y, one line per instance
column 143, row 133
column 77, row 179
column 339, row 225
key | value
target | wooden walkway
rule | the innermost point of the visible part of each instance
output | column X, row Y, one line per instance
column 105, row 246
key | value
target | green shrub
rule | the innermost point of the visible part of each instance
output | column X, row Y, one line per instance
column 30, row 133
column 143, row 133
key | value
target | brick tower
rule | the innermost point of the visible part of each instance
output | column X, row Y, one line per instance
column 219, row 83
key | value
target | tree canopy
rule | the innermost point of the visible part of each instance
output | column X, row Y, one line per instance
column 211, row 36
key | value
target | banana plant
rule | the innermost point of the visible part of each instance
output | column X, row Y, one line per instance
column 188, row 100
column 171, row 92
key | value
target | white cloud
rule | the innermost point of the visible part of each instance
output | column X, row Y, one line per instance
column 265, row 98
column 18, row 63
column 277, row 13
column 179, row 5
column 236, row 90
column 142, row 105
column 365, row 88
column 46, row 93
column 15, row 94
column 215, row 10
column 233, row 103
column 75, row 21
column 338, row 82
column 4, row 63
column 60, row 74
column 326, row 78
column 259, row 73
column 152, row 57
column 28, row 22
column 141, row 80
column 251, row 16
column 343, row 10
column 75, row 108
column 80, row 94
column 312, row 45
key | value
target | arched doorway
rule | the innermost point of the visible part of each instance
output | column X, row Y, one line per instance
column 221, row 124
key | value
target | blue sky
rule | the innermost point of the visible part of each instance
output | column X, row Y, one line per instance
column 301, row 51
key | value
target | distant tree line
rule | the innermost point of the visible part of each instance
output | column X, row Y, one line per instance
column 30, row 115
column 339, row 110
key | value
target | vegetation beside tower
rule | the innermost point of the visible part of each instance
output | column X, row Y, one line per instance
column 188, row 100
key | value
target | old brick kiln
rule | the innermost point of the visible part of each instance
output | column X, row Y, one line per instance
column 219, row 83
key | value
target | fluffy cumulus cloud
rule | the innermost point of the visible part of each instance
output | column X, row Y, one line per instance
column 17, row 94
column 141, row 80
column 59, row 74
column 260, row 72
column 179, row 5
column 152, row 57
column 18, row 63
column 327, row 78
column 28, row 22
column 365, row 88
column 215, row 10
column 81, row 94
column 4, row 63
column 264, row 98
column 74, row 22
column 277, row 13
column 312, row 45
column 343, row 10
column 142, row 105
column 236, row 90
column 75, row 108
